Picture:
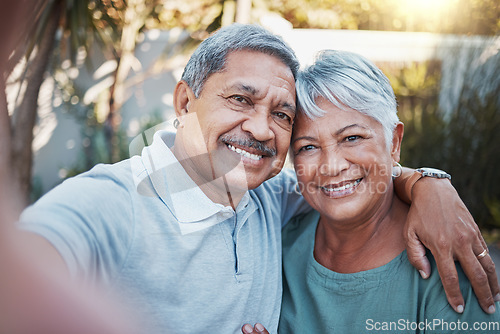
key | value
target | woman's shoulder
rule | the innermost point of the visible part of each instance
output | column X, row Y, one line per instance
column 300, row 225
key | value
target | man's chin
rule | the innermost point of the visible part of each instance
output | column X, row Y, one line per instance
column 236, row 180
column 241, row 177
column 239, row 181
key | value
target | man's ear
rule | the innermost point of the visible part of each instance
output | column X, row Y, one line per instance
column 182, row 98
column 397, row 137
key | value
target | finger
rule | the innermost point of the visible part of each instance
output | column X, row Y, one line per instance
column 416, row 255
column 248, row 329
column 479, row 244
column 261, row 329
column 478, row 278
column 449, row 278
column 489, row 268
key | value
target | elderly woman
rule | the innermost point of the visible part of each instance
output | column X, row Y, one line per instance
column 345, row 264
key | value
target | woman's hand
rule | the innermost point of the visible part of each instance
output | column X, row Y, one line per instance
column 257, row 329
column 440, row 221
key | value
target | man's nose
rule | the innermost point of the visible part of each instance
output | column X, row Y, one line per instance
column 259, row 126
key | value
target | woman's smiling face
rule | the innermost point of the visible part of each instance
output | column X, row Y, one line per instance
column 343, row 163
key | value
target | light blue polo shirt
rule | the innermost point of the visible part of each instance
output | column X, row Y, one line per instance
column 183, row 263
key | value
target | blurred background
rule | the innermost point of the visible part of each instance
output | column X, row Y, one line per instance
column 88, row 77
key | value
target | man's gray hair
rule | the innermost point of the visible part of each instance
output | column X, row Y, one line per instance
column 348, row 80
column 210, row 56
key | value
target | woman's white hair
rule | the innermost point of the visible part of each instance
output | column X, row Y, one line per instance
column 348, row 80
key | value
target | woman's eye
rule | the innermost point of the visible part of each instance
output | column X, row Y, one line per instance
column 352, row 138
column 306, row 148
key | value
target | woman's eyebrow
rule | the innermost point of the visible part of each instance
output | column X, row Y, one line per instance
column 338, row 132
column 303, row 138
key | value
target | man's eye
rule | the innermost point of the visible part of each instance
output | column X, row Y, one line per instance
column 283, row 116
column 239, row 99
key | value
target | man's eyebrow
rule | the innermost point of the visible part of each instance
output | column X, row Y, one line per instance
column 289, row 106
column 254, row 91
column 247, row 88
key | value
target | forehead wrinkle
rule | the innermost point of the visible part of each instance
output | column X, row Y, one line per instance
column 286, row 87
column 244, row 87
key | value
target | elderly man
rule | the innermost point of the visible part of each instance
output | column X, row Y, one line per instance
column 188, row 233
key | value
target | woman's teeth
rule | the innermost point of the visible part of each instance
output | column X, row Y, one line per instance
column 344, row 187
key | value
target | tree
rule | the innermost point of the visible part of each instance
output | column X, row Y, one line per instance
column 23, row 120
column 36, row 46
column 10, row 14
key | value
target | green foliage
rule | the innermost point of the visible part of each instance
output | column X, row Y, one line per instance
column 95, row 142
column 473, row 154
column 465, row 142
column 417, row 89
column 493, row 206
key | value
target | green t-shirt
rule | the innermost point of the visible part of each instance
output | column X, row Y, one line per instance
column 392, row 298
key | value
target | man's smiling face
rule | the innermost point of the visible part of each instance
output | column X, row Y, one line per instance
column 244, row 116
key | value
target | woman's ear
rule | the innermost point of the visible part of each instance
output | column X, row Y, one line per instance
column 397, row 137
column 182, row 98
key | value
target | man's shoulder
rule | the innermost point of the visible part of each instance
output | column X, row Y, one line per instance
column 117, row 174
column 281, row 192
column 276, row 190
column 104, row 182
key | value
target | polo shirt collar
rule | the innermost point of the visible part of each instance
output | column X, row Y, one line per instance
column 186, row 201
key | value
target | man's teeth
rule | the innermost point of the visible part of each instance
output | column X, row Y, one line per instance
column 245, row 153
column 344, row 187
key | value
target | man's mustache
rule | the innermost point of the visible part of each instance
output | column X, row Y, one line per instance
column 157, row 176
column 249, row 142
